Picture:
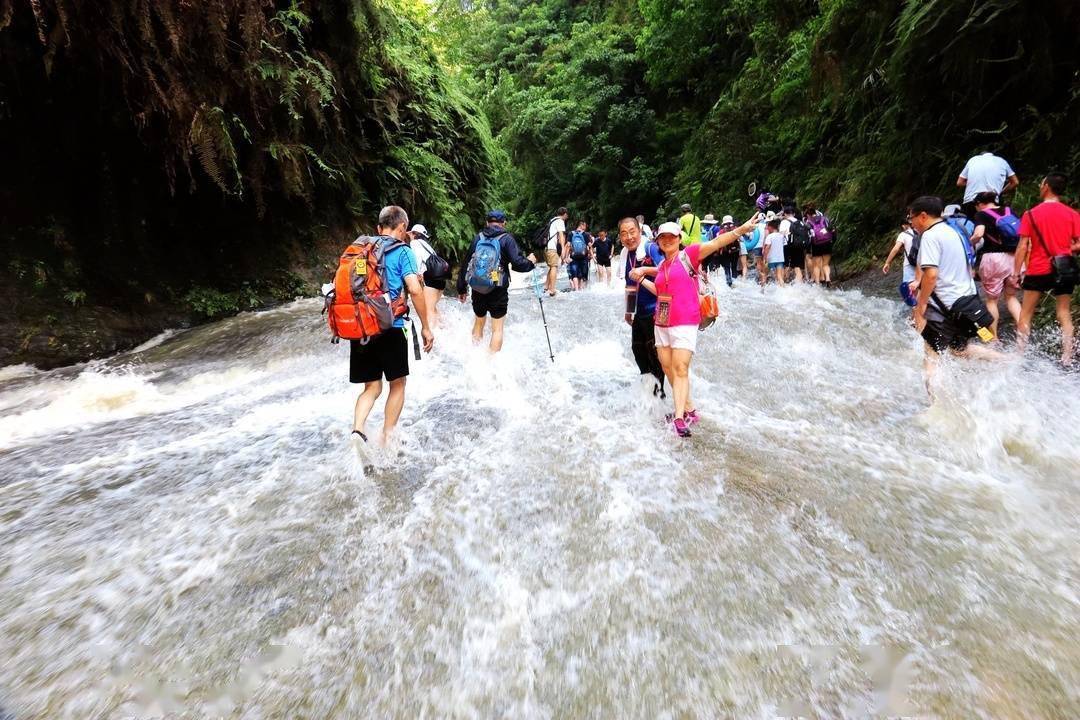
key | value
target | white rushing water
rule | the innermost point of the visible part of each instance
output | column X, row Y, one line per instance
column 184, row 529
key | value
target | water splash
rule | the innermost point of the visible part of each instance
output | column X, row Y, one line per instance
column 828, row 544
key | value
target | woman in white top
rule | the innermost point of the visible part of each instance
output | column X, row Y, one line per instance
column 433, row 289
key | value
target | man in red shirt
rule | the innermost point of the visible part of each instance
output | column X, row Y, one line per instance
column 1049, row 229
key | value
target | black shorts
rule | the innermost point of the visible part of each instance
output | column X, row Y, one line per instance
column 603, row 260
column 384, row 355
column 1046, row 284
column 794, row 257
column 942, row 333
column 820, row 249
column 493, row 303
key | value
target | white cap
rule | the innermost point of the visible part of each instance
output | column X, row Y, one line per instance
column 727, row 219
column 419, row 230
column 669, row 228
column 950, row 210
column 770, row 216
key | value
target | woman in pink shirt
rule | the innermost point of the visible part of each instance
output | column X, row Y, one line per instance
column 678, row 311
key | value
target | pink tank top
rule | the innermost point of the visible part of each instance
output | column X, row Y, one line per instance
column 672, row 279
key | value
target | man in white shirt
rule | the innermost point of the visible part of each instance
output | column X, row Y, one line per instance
column 946, row 278
column 556, row 234
column 985, row 172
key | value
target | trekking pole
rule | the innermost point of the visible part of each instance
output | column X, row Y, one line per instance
column 540, row 299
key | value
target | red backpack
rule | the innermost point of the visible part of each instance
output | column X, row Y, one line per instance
column 359, row 306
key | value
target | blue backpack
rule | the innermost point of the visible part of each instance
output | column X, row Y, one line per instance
column 964, row 227
column 579, row 247
column 485, row 272
column 1008, row 226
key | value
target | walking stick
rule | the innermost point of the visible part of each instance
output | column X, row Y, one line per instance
column 540, row 299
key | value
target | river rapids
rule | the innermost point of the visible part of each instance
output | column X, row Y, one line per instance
column 185, row 531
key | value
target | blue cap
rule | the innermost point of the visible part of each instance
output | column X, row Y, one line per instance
column 496, row 215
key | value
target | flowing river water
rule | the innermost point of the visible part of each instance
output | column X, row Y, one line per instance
column 185, row 531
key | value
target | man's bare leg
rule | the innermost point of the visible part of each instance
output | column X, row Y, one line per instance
column 497, row 334
column 395, row 400
column 365, row 402
column 478, row 329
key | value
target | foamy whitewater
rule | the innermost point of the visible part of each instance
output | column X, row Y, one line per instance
column 185, row 530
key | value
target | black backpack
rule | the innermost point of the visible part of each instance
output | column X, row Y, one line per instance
column 540, row 237
column 913, row 253
column 799, row 235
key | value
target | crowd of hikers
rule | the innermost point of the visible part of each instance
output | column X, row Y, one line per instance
column 669, row 297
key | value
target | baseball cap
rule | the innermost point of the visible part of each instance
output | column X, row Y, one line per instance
column 709, row 219
column 419, row 229
column 951, row 210
column 496, row 215
column 685, row 207
column 669, row 228
column 770, row 216
column 728, row 220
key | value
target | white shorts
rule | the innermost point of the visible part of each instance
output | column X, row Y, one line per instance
column 681, row 337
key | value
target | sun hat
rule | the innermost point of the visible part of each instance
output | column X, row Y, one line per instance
column 668, row 228
column 728, row 220
column 419, row 229
column 709, row 219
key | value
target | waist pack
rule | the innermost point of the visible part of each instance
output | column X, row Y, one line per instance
column 707, row 303
column 359, row 307
column 1063, row 268
column 968, row 311
column 485, row 273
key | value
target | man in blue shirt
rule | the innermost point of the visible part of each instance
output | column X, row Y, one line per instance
column 387, row 354
column 640, row 260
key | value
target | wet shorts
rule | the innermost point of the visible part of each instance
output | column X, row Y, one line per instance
column 756, row 252
column 1046, row 284
column 435, row 284
column 603, row 260
column 493, row 303
column 551, row 258
column 942, row 333
column 681, row 337
column 821, row 249
column 905, row 293
column 776, row 265
column 794, row 257
column 579, row 268
column 384, row 355
column 994, row 272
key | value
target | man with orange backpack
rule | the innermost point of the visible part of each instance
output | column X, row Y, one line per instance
column 368, row 307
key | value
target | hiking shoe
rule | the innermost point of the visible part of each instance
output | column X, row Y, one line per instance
column 681, row 428
column 692, row 417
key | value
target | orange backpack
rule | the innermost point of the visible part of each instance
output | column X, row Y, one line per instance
column 359, row 306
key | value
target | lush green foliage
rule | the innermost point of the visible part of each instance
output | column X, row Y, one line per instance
column 156, row 145
column 613, row 107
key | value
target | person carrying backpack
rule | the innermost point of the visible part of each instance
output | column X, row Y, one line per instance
column 485, row 269
column 999, row 232
column 368, row 307
column 821, row 244
column 798, row 242
column 555, row 238
column 907, row 243
column 433, row 267
column 576, row 255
